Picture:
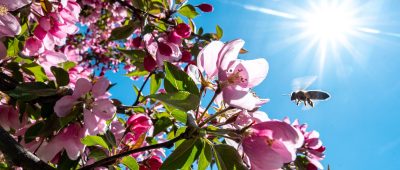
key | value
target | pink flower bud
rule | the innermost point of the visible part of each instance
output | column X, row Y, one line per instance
column 186, row 56
column 174, row 37
column 164, row 49
column 205, row 7
column 136, row 42
column 183, row 30
column 139, row 124
column 149, row 63
column 152, row 163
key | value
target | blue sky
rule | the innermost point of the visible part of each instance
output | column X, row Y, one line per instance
column 359, row 124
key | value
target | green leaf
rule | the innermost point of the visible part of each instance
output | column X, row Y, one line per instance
column 67, row 65
column 161, row 124
column 97, row 154
column 181, row 100
column 205, row 157
column 188, row 11
column 220, row 32
column 227, row 157
column 31, row 90
column 122, row 32
column 155, row 83
column 177, row 80
column 94, row 140
column 62, row 76
column 183, row 156
column 35, row 70
column 130, row 162
column 179, row 115
column 134, row 55
column 137, row 73
column 33, row 131
column 14, row 46
column 110, row 139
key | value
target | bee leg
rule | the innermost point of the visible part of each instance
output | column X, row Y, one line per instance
column 310, row 102
column 305, row 102
column 297, row 102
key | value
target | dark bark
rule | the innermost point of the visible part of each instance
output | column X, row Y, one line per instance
column 18, row 155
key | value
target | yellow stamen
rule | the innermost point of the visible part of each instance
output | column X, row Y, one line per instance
column 3, row 10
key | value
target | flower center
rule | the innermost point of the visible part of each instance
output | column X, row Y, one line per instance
column 3, row 10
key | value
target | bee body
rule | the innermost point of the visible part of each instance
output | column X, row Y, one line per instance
column 308, row 96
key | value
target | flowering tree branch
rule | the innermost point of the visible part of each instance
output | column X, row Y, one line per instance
column 18, row 155
column 112, row 159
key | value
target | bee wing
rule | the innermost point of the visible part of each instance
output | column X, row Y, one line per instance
column 302, row 83
column 318, row 95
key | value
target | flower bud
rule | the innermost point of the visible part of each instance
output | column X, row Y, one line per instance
column 149, row 63
column 186, row 56
column 205, row 7
column 164, row 49
column 183, row 30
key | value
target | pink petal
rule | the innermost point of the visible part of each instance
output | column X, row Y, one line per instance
column 208, row 57
column 241, row 98
column 255, row 71
column 104, row 109
column 54, row 57
column 63, row 106
column 9, row 25
column 281, row 131
column 100, row 87
column 82, row 87
column 229, row 53
column 49, row 150
column 93, row 124
column 33, row 46
column 45, row 23
column 13, row 5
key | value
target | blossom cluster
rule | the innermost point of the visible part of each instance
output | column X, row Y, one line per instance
column 55, row 99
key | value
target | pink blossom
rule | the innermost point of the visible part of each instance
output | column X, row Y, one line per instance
column 69, row 139
column 9, row 25
column 151, row 163
column 9, row 117
column 236, row 76
column 183, row 30
column 33, row 46
column 312, row 147
column 271, row 144
column 139, row 124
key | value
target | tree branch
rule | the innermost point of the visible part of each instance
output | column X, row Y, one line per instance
column 112, row 159
column 18, row 155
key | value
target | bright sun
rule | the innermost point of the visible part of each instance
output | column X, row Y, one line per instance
column 328, row 22
column 328, row 26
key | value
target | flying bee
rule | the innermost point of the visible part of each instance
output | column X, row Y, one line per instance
column 306, row 96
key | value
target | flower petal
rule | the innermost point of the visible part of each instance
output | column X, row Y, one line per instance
column 9, row 25
column 255, row 71
column 229, row 53
column 208, row 57
column 13, row 5
column 64, row 106
column 82, row 87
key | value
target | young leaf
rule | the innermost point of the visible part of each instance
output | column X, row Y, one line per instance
column 228, row 157
column 177, row 80
column 161, row 124
column 33, row 132
column 188, row 11
column 220, row 32
column 179, row 115
column 205, row 157
column 62, row 76
column 130, row 163
column 183, row 156
column 35, row 70
column 31, row 90
column 94, row 140
column 155, row 83
column 182, row 100
column 122, row 32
